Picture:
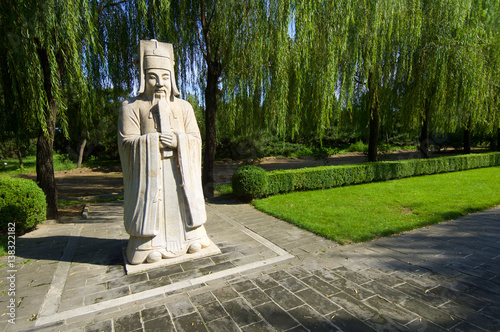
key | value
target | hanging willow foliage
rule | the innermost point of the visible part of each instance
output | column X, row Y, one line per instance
column 41, row 46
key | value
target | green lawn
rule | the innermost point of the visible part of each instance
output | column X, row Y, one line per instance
column 11, row 166
column 364, row 212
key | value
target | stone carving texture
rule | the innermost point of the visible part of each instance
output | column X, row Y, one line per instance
column 160, row 151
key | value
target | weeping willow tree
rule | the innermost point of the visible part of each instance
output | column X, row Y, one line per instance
column 382, row 36
column 450, row 85
column 41, row 46
column 237, row 49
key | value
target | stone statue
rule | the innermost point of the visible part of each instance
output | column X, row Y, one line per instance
column 160, row 151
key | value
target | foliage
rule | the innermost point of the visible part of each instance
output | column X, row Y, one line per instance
column 283, row 181
column 22, row 202
column 223, row 189
column 359, row 146
column 364, row 212
column 61, row 163
column 249, row 182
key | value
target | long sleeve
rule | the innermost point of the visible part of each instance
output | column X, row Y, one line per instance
column 140, row 165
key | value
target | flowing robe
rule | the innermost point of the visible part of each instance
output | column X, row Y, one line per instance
column 164, row 208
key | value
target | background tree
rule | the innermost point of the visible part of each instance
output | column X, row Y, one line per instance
column 42, row 52
column 446, row 88
column 382, row 35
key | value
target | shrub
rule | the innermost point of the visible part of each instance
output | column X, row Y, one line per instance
column 249, row 182
column 21, row 202
column 359, row 146
column 282, row 181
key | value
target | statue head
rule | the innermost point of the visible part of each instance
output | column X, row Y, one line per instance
column 157, row 68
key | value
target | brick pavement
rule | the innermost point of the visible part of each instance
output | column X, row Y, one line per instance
column 269, row 276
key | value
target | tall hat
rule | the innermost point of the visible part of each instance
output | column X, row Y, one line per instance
column 154, row 54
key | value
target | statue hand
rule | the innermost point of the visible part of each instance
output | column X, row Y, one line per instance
column 168, row 140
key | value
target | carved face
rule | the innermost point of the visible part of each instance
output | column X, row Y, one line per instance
column 158, row 83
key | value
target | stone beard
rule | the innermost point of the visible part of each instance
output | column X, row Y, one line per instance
column 160, row 150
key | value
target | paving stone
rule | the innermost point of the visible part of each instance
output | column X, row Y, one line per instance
column 164, row 272
column 466, row 327
column 256, row 297
column 241, row 312
column 491, row 311
column 153, row 313
column 223, row 324
column 352, row 288
column 318, row 302
column 284, row 298
column 347, row 322
column 258, row 327
column 351, row 275
column 470, row 316
column 353, row 305
column 149, row 284
column 243, row 286
column 326, row 275
column 424, row 295
column 481, row 283
column 107, row 295
column 127, row 280
column 189, row 323
column 321, row 286
column 216, row 268
column 197, row 263
column 298, row 328
column 191, row 274
column 390, row 310
column 388, row 293
column 292, row 284
column 211, row 311
column 160, row 324
column 248, row 260
column 180, row 307
column 104, row 326
column 203, row 298
column 298, row 272
column 225, row 294
column 430, row 313
column 222, row 258
column 128, row 323
column 279, row 275
column 424, row 325
column 265, row 282
column 458, row 296
column 310, row 319
column 276, row 317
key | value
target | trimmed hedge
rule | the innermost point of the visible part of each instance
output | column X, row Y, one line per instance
column 249, row 181
column 21, row 202
column 283, row 181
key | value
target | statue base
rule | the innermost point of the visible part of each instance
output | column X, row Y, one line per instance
column 212, row 249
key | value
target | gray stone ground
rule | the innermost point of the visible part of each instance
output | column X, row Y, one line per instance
column 270, row 276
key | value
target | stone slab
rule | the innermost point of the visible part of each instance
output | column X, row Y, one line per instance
column 212, row 249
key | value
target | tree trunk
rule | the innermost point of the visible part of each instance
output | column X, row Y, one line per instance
column 81, row 148
column 374, row 120
column 214, row 71
column 20, row 157
column 210, row 132
column 467, row 137
column 424, row 133
column 498, row 139
column 467, row 141
column 44, row 149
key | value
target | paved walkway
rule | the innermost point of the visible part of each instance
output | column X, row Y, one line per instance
column 270, row 276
